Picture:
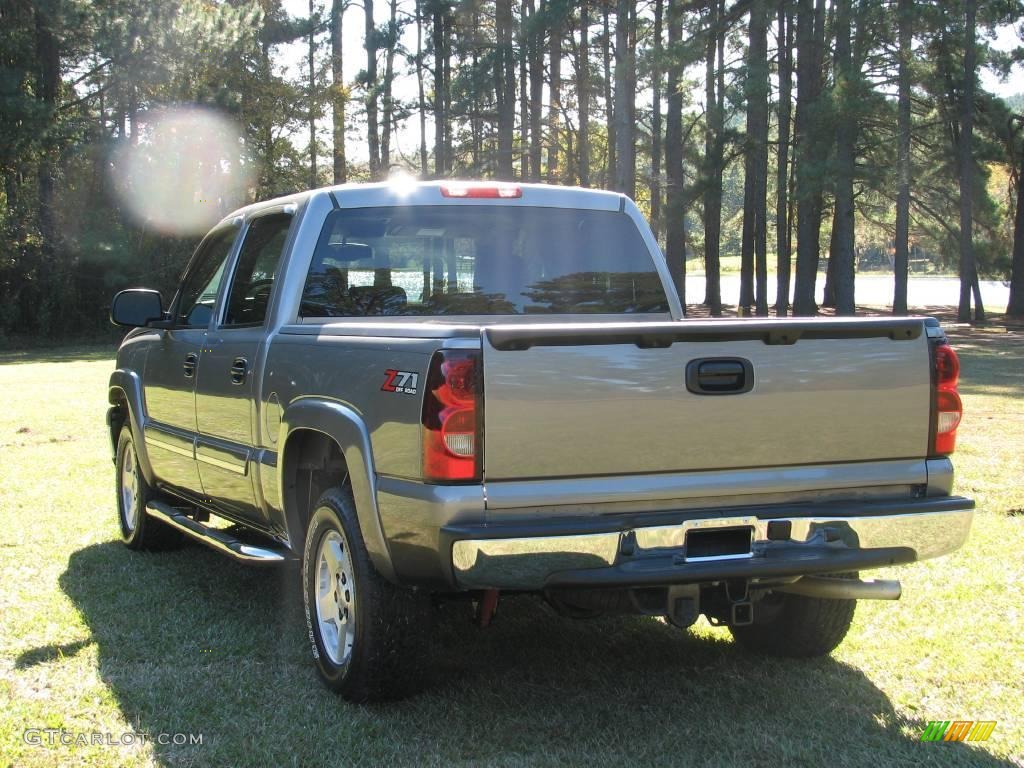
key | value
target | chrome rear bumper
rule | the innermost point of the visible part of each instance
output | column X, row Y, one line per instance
column 782, row 545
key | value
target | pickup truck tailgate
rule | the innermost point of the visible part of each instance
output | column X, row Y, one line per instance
column 614, row 399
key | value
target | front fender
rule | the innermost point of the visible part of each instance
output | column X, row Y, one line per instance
column 345, row 427
column 126, row 385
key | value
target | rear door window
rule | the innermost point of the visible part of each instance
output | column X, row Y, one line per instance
column 480, row 260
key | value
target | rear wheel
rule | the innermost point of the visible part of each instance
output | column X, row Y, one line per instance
column 796, row 626
column 138, row 530
column 367, row 634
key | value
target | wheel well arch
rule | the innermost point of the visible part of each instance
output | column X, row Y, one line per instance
column 313, row 462
column 118, row 415
column 332, row 447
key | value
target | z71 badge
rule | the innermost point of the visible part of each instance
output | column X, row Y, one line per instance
column 403, row 382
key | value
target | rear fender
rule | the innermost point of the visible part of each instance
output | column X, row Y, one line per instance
column 345, row 426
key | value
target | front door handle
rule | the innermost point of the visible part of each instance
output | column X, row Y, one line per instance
column 239, row 370
column 189, row 366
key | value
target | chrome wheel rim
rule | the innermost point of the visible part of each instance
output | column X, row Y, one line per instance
column 129, row 489
column 335, row 598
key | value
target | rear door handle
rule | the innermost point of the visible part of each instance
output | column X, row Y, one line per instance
column 239, row 370
column 189, row 366
column 719, row 376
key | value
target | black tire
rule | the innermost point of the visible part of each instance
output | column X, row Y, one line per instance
column 379, row 657
column 138, row 530
column 796, row 626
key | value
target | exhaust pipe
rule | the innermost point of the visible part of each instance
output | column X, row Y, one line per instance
column 844, row 589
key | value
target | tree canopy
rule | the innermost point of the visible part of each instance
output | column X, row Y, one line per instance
column 804, row 138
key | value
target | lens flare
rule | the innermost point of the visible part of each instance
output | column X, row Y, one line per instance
column 184, row 173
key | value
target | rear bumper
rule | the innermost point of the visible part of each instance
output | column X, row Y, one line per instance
column 787, row 541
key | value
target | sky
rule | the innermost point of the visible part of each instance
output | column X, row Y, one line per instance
column 292, row 59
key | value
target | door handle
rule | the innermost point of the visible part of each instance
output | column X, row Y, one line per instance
column 719, row 376
column 189, row 366
column 239, row 370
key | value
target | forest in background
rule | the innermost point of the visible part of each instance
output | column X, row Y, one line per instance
column 784, row 136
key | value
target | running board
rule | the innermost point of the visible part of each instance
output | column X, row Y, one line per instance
column 220, row 540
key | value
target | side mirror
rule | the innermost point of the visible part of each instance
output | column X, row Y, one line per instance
column 136, row 307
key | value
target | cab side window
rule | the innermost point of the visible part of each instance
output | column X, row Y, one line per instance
column 199, row 290
column 258, row 263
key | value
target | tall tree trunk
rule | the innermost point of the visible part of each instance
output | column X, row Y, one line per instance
column 631, row 91
column 675, row 210
column 901, row 266
column 609, row 105
column 475, row 116
column 841, row 257
column 812, row 154
column 448, row 20
column 625, row 168
column 755, row 163
column 1015, row 307
column 265, row 132
column 782, row 225
column 506, row 91
column 48, row 86
column 389, row 76
column 372, row 127
column 965, row 167
column 536, row 55
column 583, row 94
column 555, row 104
column 714, row 156
column 759, row 134
column 440, row 87
column 312, row 96
column 420, row 89
column 338, row 93
column 133, row 113
column 524, row 93
column 655, row 184
column 828, row 292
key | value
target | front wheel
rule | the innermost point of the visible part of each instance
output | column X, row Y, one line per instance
column 796, row 626
column 138, row 530
column 367, row 634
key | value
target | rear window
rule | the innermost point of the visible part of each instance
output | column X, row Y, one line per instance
column 480, row 260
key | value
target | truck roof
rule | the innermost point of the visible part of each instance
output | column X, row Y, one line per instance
column 408, row 191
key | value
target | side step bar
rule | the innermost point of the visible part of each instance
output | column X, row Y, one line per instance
column 217, row 539
column 844, row 589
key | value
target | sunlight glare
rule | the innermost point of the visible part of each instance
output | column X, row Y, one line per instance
column 185, row 173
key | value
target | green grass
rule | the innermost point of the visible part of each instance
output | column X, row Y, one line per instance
column 96, row 638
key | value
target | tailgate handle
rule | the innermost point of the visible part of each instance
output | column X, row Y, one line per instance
column 719, row 376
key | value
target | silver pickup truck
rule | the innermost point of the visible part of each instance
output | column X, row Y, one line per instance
column 426, row 390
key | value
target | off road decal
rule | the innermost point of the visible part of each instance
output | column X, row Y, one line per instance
column 403, row 382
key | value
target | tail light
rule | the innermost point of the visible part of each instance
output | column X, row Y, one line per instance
column 453, row 417
column 948, row 408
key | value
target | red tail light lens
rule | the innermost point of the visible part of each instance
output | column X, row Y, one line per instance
column 453, row 417
column 948, row 407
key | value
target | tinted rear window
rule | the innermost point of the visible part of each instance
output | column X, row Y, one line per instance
column 480, row 260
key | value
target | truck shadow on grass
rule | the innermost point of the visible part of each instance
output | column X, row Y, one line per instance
column 190, row 642
column 990, row 362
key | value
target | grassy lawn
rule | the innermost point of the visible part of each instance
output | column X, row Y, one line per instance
column 95, row 638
